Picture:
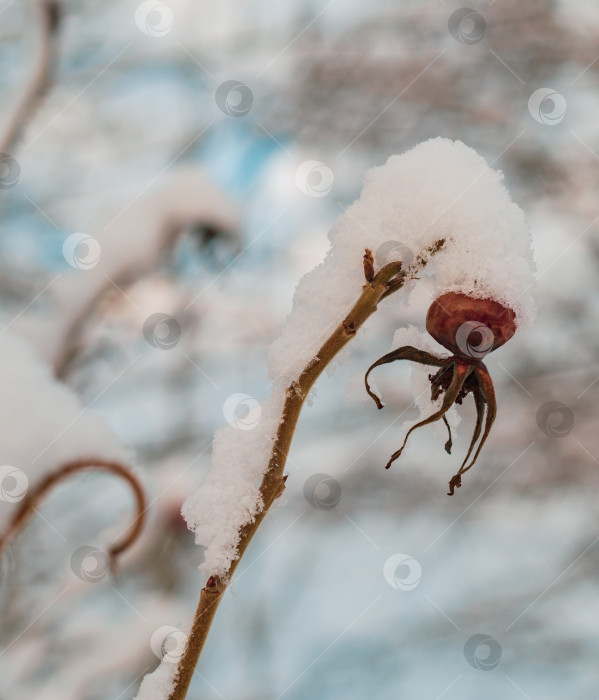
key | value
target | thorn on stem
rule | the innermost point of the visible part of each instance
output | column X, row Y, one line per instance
column 53, row 13
column 349, row 328
column 280, row 485
column 112, row 564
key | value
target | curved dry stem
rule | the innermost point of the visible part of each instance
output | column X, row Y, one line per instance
column 48, row 18
column 460, row 374
column 28, row 506
column 273, row 481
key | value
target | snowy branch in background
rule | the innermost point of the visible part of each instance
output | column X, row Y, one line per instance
column 65, row 440
column 48, row 15
column 61, row 440
column 127, row 245
column 34, row 496
column 440, row 201
column 439, row 190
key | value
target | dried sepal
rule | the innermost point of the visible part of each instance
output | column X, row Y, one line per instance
column 449, row 443
column 455, row 379
column 405, row 353
column 485, row 399
column 459, row 375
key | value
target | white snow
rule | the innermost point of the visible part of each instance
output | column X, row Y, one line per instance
column 43, row 425
column 230, row 497
column 159, row 684
column 439, row 189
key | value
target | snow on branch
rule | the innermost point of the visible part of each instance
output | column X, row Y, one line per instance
column 440, row 207
column 439, row 190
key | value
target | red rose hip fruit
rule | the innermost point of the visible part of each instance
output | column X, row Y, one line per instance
column 470, row 327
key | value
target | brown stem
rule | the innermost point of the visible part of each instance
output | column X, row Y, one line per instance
column 273, row 481
column 29, row 503
column 49, row 21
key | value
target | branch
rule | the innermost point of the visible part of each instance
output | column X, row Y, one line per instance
column 388, row 279
column 48, row 12
column 71, row 345
column 28, row 505
column 131, row 246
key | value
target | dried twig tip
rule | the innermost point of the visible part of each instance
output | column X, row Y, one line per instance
column 368, row 265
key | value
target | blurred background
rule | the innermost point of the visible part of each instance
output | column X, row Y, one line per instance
column 199, row 152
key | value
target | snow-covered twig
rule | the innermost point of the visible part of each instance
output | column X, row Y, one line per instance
column 30, row 502
column 439, row 198
column 127, row 246
column 48, row 18
column 389, row 279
